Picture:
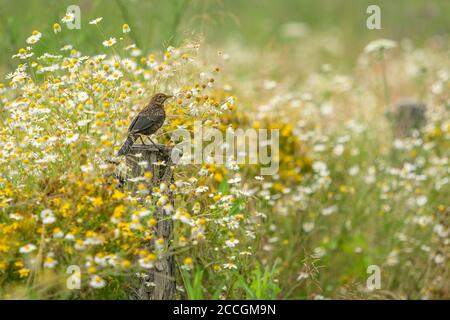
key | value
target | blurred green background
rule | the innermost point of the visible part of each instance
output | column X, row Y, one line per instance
column 254, row 23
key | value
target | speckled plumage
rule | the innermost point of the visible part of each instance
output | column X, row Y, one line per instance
column 147, row 122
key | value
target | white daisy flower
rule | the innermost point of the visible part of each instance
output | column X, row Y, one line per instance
column 110, row 42
column 69, row 17
column 47, row 216
column 15, row 216
column 97, row 282
column 96, row 20
column 380, row 45
column 50, row 262
column 82, row 96
column 126, row 28
column 232, row 242
column 27, row 248
column 146, row 263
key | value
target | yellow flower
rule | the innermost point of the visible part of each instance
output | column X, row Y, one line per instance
column 218, row 177
column 97, row 202
column 56, row 28
column 151, row 257
column 125, row 28
column 119, row 210
column 92, row 269
column 148, row 175
column 24, row 272
column 118, row 195
column 188, row 261
column 126, row 264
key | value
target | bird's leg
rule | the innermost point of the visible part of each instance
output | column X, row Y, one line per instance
column 142, row 140
column 153, row 143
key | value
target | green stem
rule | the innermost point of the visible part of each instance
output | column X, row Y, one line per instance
column 387, row 98
column 127, row 19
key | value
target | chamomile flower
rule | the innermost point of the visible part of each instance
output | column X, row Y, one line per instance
column 125, row 28
column 97, row 282
column 232, row 242
column 188, row 263
column 147, row 262
column 82, row 96
column 50, row 262
column 34, row 38
column 109, row 42
column 47, row 216
column 96, row 20
column 229, row 266
column 27, row 248
column 69, row 17
column 56, row 28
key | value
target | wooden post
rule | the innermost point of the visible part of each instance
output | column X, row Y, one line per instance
column 162, row 275
column 410, row 115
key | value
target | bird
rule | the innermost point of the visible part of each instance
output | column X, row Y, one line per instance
column 146, row 123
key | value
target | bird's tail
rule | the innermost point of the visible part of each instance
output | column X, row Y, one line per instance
column 126, row 147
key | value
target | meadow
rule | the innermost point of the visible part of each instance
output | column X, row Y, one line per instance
column 355, row 191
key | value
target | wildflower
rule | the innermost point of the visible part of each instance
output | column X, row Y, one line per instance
column 319, row 252
column 71, row 138
column 232, row 242
column 50, row 262
column 70, row 236
column 118, row 195
column 15, row 216
column 147, row 262
column 439, row 258
column 380, row 45
column 27, row 248
column 56, row 28
column 308, row 226
column 57, row 233
column 125, row 28
column 159, row 244
column 338, row 150
column 97, row 201
column 230, row 266
column 302, row 275
column 35, row 37
column 82, row 96
column 97, row 282
column 329, row 210
column 116, row 75
column 24, row 272
column 69, row 17
column 188, row 263
column 126, row 264
column 47, row 216
column 136, row 225
column 110, row 42
column 96, row 20
column 421, row 201
column 393, row 259
column 79, row 245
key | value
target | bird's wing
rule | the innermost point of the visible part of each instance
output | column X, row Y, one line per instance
column 132, row 123
column 141, row 123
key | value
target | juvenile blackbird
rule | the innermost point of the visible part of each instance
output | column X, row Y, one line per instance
column 147, row 122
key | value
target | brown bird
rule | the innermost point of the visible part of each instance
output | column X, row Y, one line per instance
column 146, row 123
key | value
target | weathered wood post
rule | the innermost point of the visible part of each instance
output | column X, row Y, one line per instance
column 162, row 276
column 409, row 115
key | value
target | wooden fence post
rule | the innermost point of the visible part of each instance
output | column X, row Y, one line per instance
column 162, row 275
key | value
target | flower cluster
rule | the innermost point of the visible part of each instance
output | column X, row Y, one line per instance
column 64, row 116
